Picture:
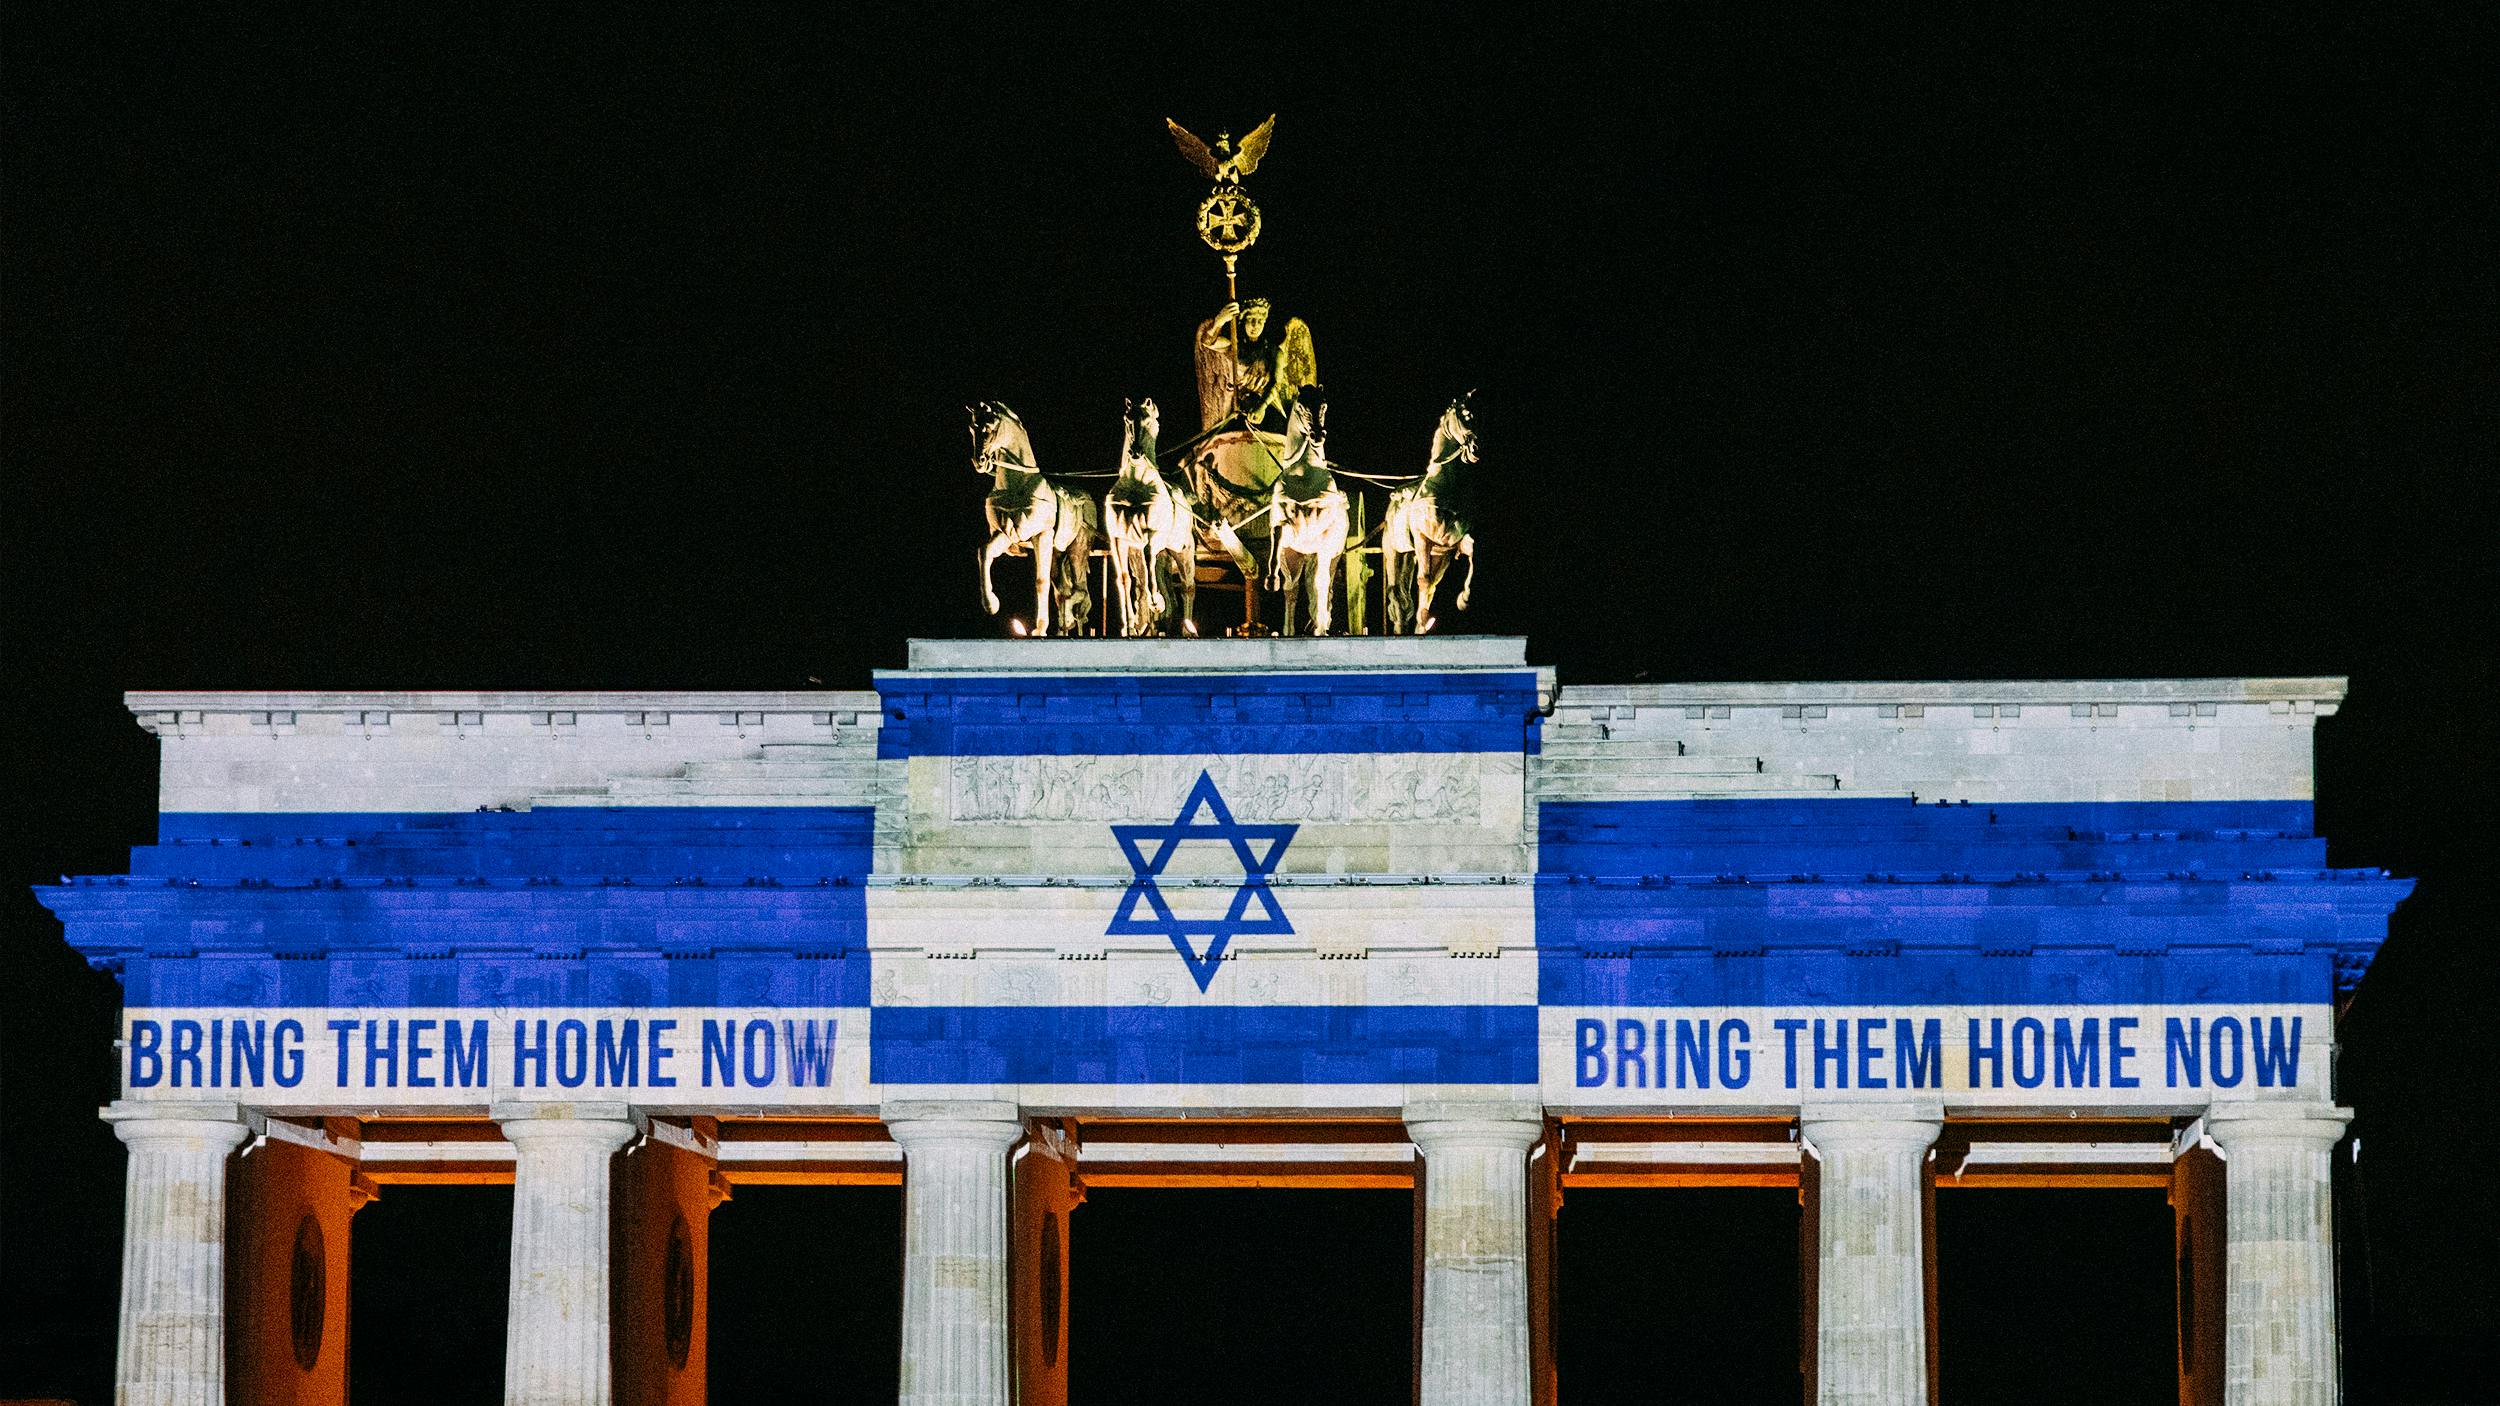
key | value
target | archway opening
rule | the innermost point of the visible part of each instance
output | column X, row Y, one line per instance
column 1677, row 1294
column 807, row 1294
column 1242, row 1295
column 429, row 1272
column 2055, row 1295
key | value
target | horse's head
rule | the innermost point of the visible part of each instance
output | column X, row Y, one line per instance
column 1458, row 430
column 997, row 435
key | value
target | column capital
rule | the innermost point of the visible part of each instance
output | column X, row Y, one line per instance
column 993, row 1123
column 1508, row 1125
column 611, row 1124
column 206, row 1121
column 2233, row 1124
column 1837, row 1123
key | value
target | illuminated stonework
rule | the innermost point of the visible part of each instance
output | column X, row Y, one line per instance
column 1413, row 895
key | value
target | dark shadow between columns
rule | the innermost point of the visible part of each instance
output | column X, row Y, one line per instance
column 806, row 1295
column 1677, row 1294
column 429, row 1274
column 2056, row 1296
column 1241, row 1295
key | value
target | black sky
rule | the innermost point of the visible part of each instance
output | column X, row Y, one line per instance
column 586, row 347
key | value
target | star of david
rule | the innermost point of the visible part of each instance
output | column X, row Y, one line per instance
column 1252, row 890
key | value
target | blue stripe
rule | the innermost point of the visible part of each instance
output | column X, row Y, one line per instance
column 1208, row 714
column 1938, row 979
column 780, row 842
column 1850, row 838
column 1716, row 944
column 387, row 982
column 1203, row 1045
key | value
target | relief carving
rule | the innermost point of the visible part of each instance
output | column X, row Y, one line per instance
column 1446, row 789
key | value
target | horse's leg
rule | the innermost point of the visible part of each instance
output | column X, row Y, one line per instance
column 1393, row 567
column 1188, row 564
column 1430, row 562
column 1467, row 585
column 1043, row 559
column 1324, row 605
column 983, row 558
column 1121, row 590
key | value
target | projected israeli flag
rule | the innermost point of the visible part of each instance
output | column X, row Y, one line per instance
column 1207, row 882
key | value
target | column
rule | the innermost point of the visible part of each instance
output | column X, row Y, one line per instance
column 2279, row 1237
column 173, row 1320
column 1870, row 1274
column 555, row 1346
column 955, row 1336
column 1475, row 1251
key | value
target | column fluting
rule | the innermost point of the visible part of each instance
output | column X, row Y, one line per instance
column 955, row 1289
column 1475, row 1340
column 556, row 1328
column 173, row 1302
column 1871, row 1288
column 2279, row 1244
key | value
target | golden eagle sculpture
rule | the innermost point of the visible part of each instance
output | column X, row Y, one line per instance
column 1224, row 163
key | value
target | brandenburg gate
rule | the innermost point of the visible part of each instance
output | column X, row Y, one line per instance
column 1033, row 916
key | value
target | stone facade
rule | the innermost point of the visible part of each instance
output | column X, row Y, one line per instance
column 985, row 927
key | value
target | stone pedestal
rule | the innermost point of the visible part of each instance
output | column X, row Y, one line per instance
column 556, row 1330
column 173, row 1325
column 955, row 1286
column 1870, row 1275
column 2279, row 1231
column 1475, row 1349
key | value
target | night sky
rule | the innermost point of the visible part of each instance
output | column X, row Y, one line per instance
column 578, row 348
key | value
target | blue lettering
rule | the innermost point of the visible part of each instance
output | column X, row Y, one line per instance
column 1992, row 1050
column 1631, row 1054
column 759, row 1036
column 660, row 1051
column 1788, row 1030
column 528, row 1057
column 2120, row 1052
column 2078, row 1054
column 147, row 1054
column 1834, row 1056
column 2239, row 1062
column 811, row 1065
column 466, row 1068
column 378, row 1053
column 620, row 1055
column 343, row 1038
column 217, row 1053
column 720, row 1050
column 419, row 1052
column 1869, row 1028
column 251, row 1051
column 573, row 1064
column 185, row 1052
column 1918, row 1063
column 2039, row 1067
column 1692, row 1053
column 1588, row 1041
column 2184, row 1049
column 1735, row 1053
column 287, row 1053
column 2278, row 1060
